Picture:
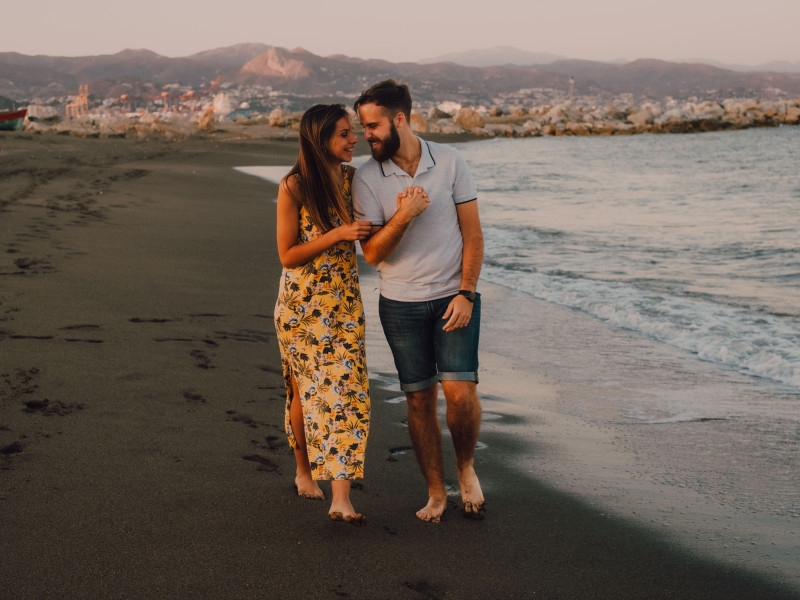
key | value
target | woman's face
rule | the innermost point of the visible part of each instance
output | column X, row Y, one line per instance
column 342, row 142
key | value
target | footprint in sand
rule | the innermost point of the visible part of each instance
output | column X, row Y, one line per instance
column 264, row 463
column 193, row 396
column 399, row 451
column 47, row 408
column 202, row 359
column 140, row 320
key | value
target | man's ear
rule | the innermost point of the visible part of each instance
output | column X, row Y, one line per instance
column 400, row 118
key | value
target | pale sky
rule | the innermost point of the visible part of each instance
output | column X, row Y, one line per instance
column 737, row 31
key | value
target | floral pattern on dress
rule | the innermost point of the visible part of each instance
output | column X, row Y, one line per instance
column 319, row 319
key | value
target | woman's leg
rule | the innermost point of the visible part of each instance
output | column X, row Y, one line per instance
column 306, row 486
column 341, row 507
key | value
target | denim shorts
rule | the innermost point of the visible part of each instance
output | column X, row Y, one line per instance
column 423, row 352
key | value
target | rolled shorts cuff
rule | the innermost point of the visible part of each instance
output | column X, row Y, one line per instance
column 450, row 376
column 419, row 385
column 459, row 376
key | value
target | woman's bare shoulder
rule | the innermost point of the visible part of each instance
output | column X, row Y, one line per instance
column 291, row 184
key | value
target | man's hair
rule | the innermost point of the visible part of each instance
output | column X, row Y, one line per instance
column 393, row 97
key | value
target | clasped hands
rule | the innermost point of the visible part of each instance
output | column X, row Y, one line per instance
column 413, row 201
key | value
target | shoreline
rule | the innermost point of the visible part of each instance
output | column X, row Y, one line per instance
column 576, row 442
column 142, row 384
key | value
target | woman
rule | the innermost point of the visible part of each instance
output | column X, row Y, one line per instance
column 319, row 316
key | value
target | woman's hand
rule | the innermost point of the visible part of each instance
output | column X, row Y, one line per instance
column 412, row 201
column 357, row 230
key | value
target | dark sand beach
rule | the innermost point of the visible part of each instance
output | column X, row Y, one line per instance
column 142, row 452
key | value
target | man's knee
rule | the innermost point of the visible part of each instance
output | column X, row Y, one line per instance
column 460, row 393
column 423, row 400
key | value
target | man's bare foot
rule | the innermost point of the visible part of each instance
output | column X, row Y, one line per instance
column 433, row 510
column 471, row 493
column 306, row 487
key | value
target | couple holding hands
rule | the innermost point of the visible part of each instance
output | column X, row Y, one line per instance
column 413, row 208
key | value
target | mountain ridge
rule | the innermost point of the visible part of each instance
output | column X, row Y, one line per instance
column 302, row 73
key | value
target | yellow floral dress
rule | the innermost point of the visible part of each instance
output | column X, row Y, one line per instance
column 319, row 320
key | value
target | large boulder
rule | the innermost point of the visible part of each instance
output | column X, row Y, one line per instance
column 792, row 113
column 437, row 113
column 278, row 118
column 418, row 123
column 443, row 126
column 640, row 118
column 206, row 120
column 469, row 118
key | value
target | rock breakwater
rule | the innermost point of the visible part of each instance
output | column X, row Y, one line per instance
column 613, row 118
column 571, row 117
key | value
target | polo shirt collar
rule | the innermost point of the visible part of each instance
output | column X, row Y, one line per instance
column 388, row 167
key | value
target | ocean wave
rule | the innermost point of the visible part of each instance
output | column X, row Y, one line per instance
column 754, row 344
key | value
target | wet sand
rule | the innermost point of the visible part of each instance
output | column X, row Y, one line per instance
column 142, row 452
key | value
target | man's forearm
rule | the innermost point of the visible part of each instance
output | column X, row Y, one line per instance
column 472, row 237
column 384, row 240
column 471, row 262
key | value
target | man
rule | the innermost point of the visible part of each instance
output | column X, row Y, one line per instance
column 427, row 244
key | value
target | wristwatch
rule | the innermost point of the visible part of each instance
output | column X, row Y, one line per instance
column 468, row 294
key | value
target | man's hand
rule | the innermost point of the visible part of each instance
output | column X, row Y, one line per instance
column 458, row 313
column 412, row 201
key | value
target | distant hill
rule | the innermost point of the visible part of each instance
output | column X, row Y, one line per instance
column 304, row 74
column 496, row 56
column 510, row 55
column 775, row 66
column 232, row 56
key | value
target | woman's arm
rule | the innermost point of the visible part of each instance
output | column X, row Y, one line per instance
column 384, row 239
column 294, row 253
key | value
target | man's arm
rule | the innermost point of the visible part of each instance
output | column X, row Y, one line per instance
column 459, row 312
column 471, row 232
column 383, row 240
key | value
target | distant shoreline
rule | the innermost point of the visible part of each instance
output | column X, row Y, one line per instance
column 569, row 118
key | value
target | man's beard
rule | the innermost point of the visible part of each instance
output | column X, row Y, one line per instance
column 388, row 146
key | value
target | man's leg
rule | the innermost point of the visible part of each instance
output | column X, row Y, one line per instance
column 426, row 436
column 464, row 421
column 407, row 326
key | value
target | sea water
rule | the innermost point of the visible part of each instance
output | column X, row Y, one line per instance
column 691, row 240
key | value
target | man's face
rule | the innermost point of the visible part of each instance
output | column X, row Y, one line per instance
column 379, row 131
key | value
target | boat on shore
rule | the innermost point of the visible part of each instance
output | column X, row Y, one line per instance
column 11, row 121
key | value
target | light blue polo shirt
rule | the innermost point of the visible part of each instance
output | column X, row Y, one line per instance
column 426, row 264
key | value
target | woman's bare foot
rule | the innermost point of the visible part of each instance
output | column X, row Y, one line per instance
column 471, row 493
column 341, row 507
column 433, row 510
column 342, row 510
column 308, row 488
column 352, row 518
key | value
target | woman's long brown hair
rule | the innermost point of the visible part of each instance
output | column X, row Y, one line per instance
column 320, row 187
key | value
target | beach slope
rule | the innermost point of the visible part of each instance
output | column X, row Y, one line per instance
column 142, row 452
